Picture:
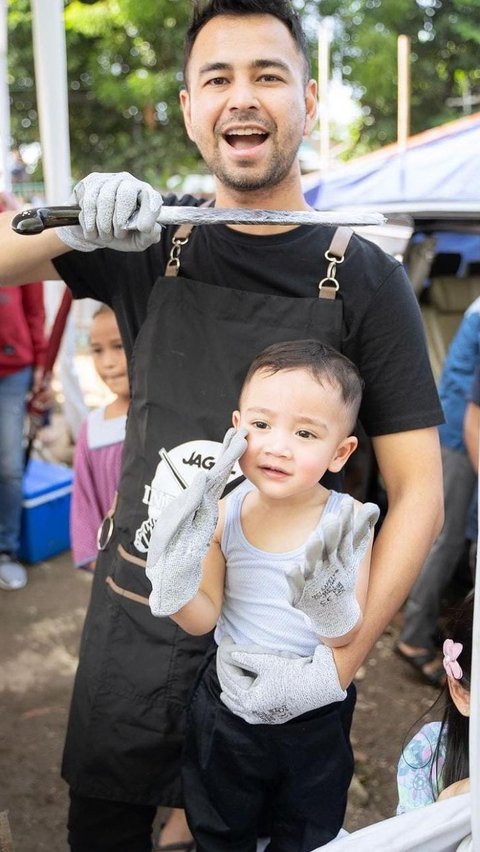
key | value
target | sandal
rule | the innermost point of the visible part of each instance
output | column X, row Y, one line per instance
column 436, row 677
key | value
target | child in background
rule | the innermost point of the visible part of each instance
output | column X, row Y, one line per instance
column 99, row 447
column 287, row 569
column 434, row 765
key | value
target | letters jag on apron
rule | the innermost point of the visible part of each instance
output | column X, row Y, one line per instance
column 188, row 364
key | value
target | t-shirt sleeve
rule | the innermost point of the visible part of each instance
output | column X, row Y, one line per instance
column 391, row 353
column 416, row 782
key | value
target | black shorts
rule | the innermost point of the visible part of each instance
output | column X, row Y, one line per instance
column 299, row 771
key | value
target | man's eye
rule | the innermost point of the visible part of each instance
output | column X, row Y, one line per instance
column 270, row 78
column 217, row 81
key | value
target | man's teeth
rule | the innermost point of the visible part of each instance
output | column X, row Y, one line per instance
column 246, row 132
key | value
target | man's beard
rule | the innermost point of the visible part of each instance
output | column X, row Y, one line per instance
column 270, row 176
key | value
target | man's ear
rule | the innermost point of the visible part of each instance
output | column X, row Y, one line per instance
column 342, row 453
column 185, row 105
column 460, row 696
column 311, row 107
column 236, row 419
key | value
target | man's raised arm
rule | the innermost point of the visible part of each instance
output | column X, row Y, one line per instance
column 24, row 259
column 106, row 201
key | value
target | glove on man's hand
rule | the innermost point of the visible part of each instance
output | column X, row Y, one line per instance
column 324, row 587
column 267, row 688
column 107, row 201
column 184, row 530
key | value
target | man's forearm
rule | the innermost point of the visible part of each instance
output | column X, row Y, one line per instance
column 398, row 555
column 27, row 258
column 412, row 523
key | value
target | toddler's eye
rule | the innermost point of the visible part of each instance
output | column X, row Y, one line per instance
column 259, row 424
column 304, row 433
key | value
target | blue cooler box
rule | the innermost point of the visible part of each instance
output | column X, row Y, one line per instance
column 45, row 528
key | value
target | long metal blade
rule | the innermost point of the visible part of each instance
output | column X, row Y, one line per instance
column 38, row 219
column 239, row 216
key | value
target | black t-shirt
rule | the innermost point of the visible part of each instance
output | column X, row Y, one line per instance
column 383, row 332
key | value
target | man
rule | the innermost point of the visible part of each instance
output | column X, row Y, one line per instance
column 247, row 103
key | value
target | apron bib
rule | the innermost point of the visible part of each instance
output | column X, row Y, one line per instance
column 127, row 718
column 186, row 382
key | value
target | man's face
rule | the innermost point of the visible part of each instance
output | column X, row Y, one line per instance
column 247, row 107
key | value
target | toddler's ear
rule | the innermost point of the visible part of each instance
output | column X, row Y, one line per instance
column 343, row 453
column 236, row 419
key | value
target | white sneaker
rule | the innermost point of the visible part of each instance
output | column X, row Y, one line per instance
column 12, row 575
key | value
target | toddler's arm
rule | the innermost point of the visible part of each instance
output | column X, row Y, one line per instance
column 184, row 534
column 331, row 586
column 202, row 612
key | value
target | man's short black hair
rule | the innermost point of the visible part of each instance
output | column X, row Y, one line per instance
column 205, row 10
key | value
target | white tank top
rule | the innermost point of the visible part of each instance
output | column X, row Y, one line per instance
column 256, row 604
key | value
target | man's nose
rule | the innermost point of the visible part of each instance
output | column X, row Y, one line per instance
column 242, row 96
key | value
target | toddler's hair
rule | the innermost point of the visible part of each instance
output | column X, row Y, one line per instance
column 323, row 362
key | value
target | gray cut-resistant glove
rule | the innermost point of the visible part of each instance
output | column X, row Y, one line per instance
column 107, row 201
column 267, row 688
column 324, row 586
column 184, row 530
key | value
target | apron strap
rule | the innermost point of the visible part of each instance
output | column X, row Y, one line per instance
column 329, row 286
column 335, row 254
column 180, row 238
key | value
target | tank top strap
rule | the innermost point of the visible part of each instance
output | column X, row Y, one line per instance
column 233, row 507
column 335, row 501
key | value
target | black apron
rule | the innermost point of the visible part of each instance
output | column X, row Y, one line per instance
column 127, row 717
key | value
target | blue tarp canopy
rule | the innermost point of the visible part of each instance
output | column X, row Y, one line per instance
column 439, row 165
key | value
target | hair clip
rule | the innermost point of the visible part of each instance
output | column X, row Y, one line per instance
column 452, row 651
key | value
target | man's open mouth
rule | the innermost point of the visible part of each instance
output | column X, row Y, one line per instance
column 245, row 137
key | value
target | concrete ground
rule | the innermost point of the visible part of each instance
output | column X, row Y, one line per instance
column 39, row 636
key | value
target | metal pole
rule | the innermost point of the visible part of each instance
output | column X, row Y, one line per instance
column 474, row 745
column 51, row 83
column 5, row 176
column 403, row 88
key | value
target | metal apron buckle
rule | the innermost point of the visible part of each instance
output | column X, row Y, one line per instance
column 106, row 528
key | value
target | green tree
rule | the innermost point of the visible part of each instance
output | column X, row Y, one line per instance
column 124, row 61
column 444, row 37
column 124, row 73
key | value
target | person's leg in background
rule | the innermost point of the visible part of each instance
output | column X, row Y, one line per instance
column 417, row 637
column 13, row 396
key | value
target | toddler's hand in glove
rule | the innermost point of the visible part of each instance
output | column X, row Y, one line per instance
column 324, row 587
column 183, row 532
column 268, row 688
column 107, row 202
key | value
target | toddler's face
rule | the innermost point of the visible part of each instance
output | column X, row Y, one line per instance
column 108, row 353
column 296, row 431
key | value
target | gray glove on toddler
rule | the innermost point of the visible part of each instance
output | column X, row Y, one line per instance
column 264, row 687
column 324, row 587
column 183, row 532
column 107, row 202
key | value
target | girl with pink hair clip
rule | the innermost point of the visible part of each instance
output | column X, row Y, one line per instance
column 434, row 765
